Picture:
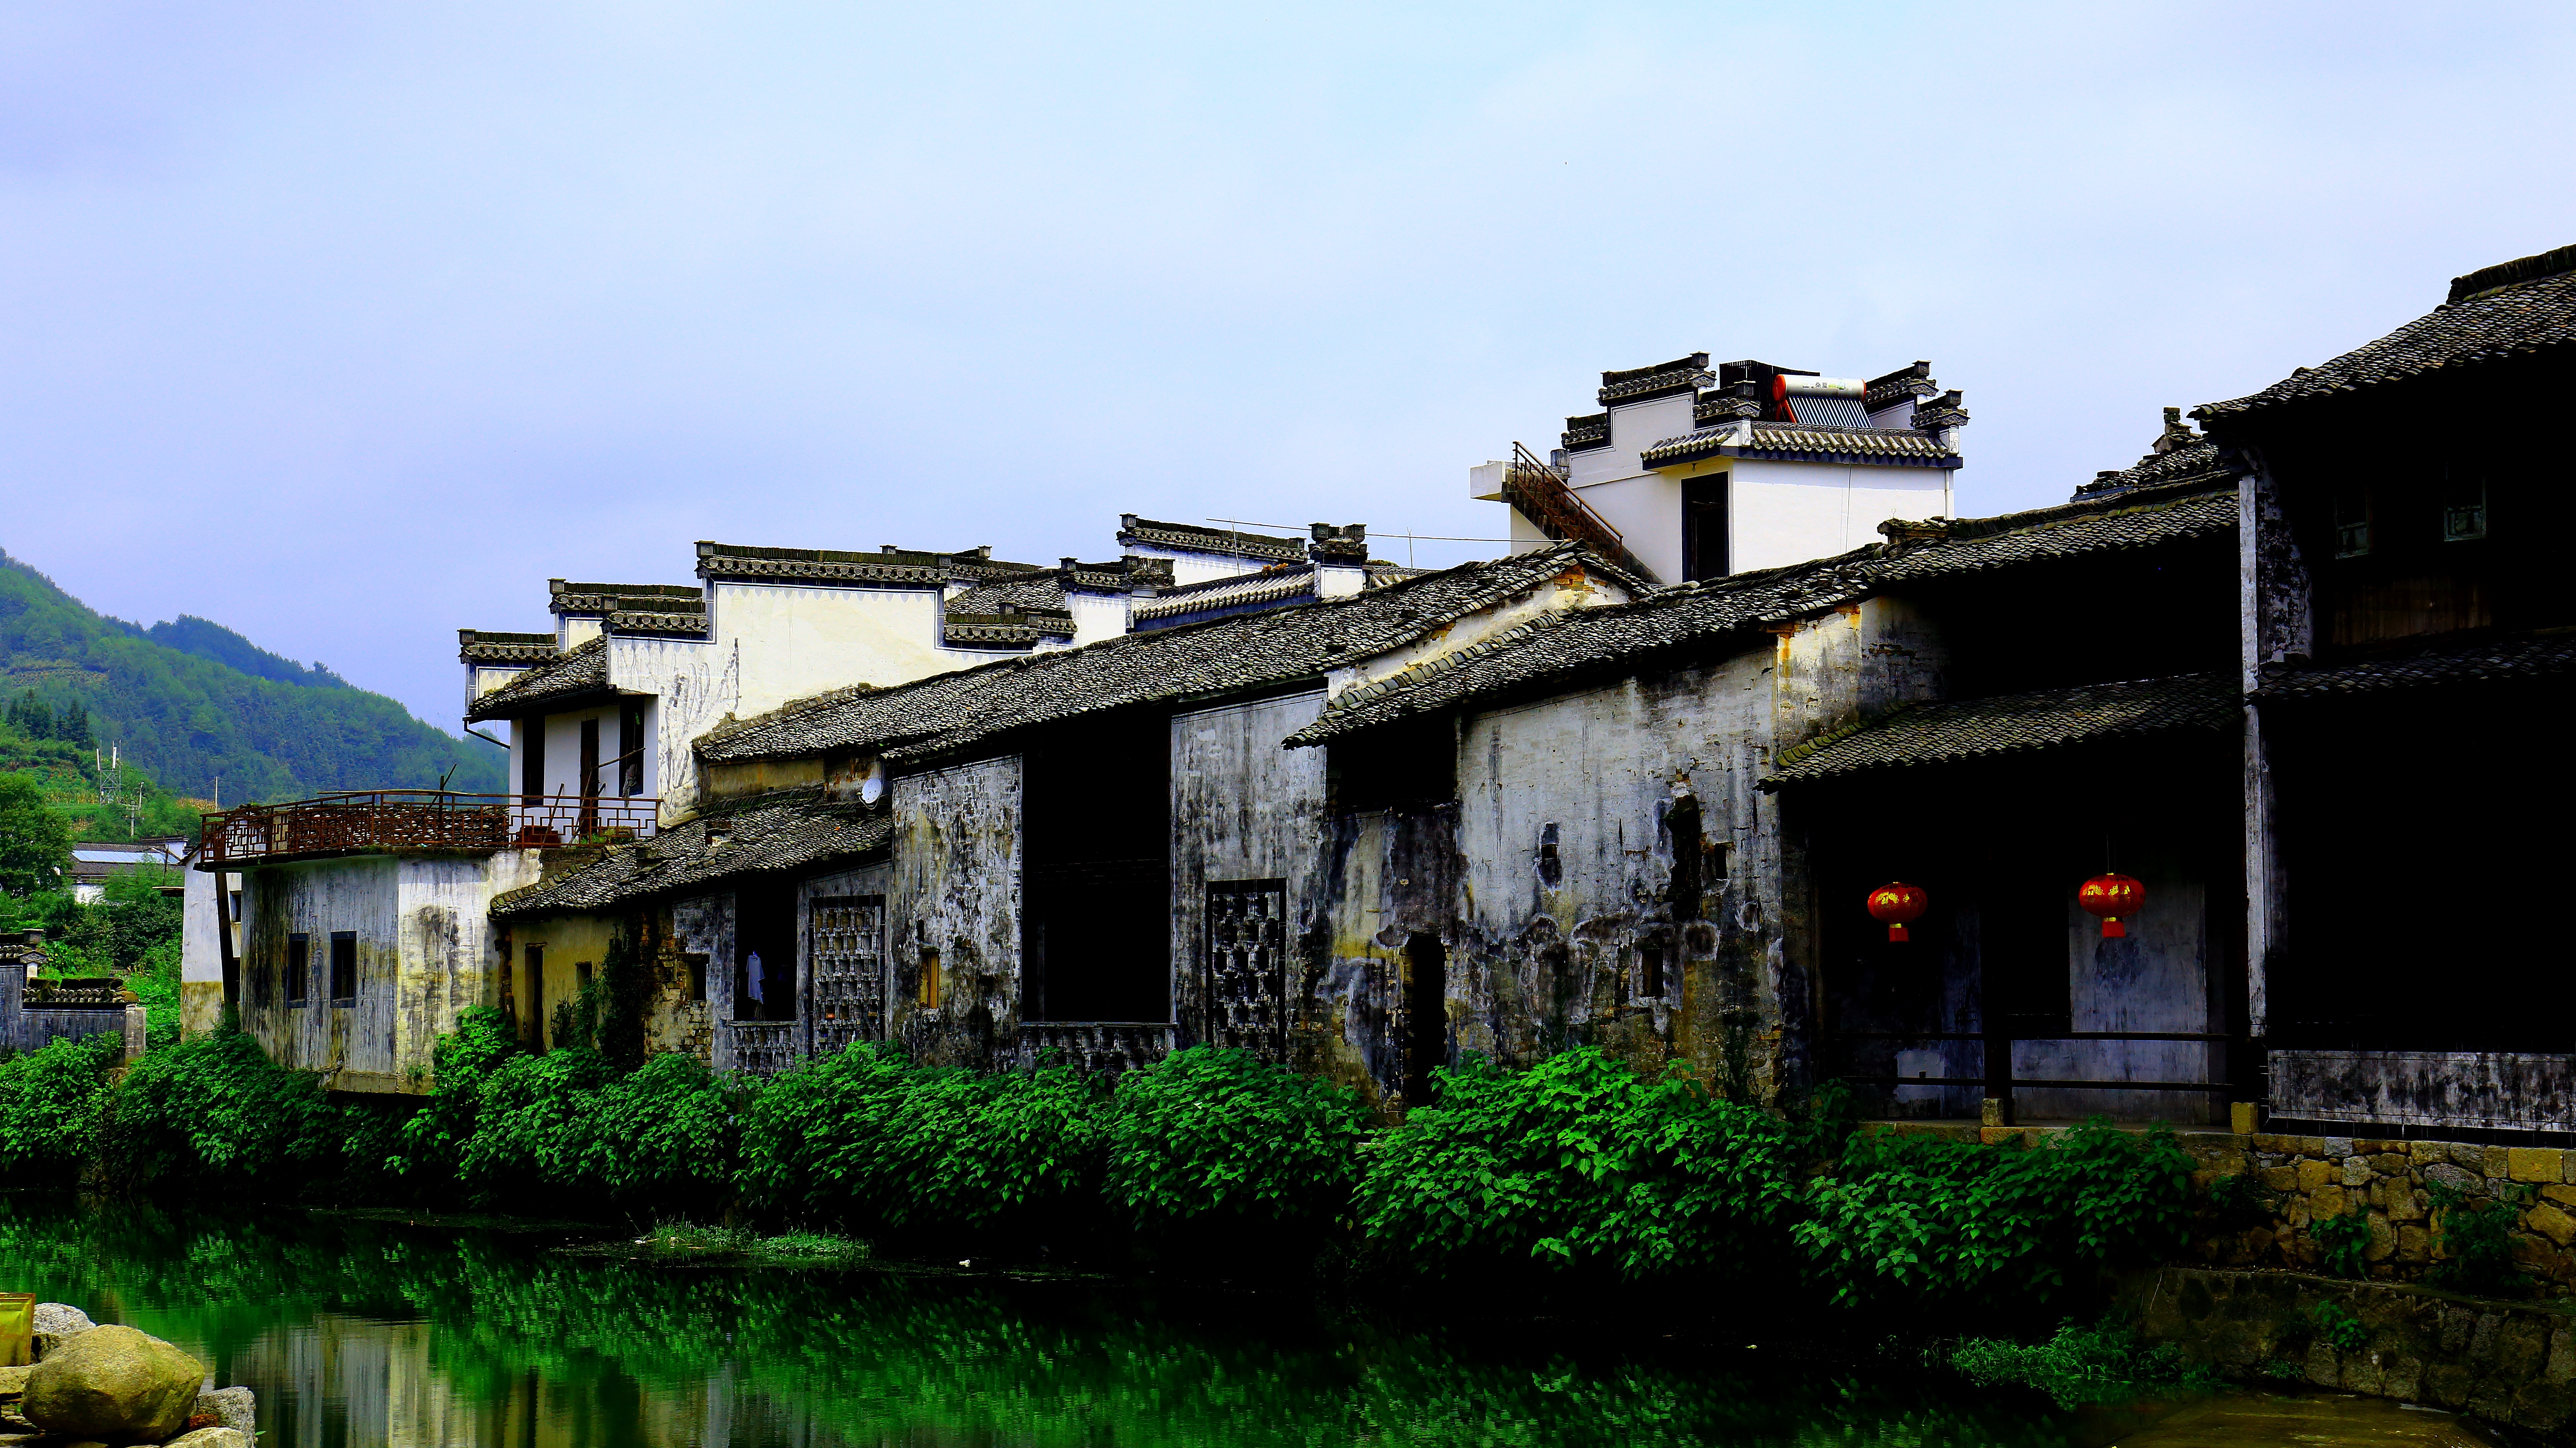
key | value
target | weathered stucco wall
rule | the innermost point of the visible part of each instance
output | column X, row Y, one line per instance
column 317, row 898
column 954, row 899
column 1244, row 811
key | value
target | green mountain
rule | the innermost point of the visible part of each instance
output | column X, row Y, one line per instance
column 191, row 700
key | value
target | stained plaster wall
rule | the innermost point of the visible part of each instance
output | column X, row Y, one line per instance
column 201, row 955
column 567, row 941
column 1779, row 513
column 1242, row 809
column 954, row 902
column 704, row 925
column 2157, row 978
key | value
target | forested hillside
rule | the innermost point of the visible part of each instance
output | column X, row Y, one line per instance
column 191, row 700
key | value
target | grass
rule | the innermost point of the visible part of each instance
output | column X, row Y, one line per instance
column 2103, row 1363
column 690, row 1242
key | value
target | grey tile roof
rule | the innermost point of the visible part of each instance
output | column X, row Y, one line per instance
column 1269, row 586
column 1190, row 537
column 794, row 830
column 2531, row 306
column 582, row 670
column 887, row 568
column 481, row 646
column 1682, row 374
column 2198, row 464
column 1799, row 442
column 1277, row 646
column 2452, row 661
column 1954, row 731
column 566, row 597
column 1013, row 595
column 1548, row 651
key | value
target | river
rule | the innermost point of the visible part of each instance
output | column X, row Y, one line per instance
column 365, row 1331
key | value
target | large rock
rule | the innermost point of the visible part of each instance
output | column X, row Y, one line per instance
column 210, row 1438
column 114, row 1383
column 232, row 1408
column 13, row 1381
column 56, row 1321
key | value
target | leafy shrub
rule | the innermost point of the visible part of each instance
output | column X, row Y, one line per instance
column 2477, row 1243
column 1917, row 1216
column 2345, row 1241
column 869, row 1139
column 50, row 1102
column 2239, row 1201
column 215, row 1112
column 2102, row 1363
column 1579, row 1162
column 2338, row 1326
column 1213, row 1135
column 432, row 1144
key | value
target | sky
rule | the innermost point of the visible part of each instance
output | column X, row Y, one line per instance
column 348, row 325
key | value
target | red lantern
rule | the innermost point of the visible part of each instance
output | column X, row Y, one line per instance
column 2112, row 896
column 1897, row 905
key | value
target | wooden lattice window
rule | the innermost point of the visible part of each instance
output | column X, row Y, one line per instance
column 1247, row 965
column 848, row 944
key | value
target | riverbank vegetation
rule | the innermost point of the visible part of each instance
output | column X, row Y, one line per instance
column 1577, row 1174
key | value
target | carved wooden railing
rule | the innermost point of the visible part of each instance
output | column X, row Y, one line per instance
column 421, row 819
column 760, row 1048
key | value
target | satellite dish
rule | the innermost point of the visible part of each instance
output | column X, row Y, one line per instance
column 872, row 782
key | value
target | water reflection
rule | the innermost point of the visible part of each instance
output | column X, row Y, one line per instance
column 366, row 1332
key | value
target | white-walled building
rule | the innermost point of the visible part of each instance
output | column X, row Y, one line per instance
column 1696, row 472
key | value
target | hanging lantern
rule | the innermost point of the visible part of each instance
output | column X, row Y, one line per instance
column 2111, row 897
column 1898, row 905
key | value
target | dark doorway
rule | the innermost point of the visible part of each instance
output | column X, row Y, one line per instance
column 1704, row 540
column 765, row 953
column 1096, row 924
column 1426, row 1016
column 589, row 776
column 630, row 749
column 532, row 761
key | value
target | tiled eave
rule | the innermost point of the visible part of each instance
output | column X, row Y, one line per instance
column 1963, row 731
column 2449, row 662
column 477, row 647
column 1787, row 442
column 800, row 570
column 667, row 625
column 1187, row 539
column 1218, row 594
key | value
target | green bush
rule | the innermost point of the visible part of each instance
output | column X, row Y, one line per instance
column 1580, row 1162
column 2477, row 1242
column 50, row 1103
column 216, row 1113
column 2345, row 1241
column 2102, row 1363
column 2339, row 1327
column 1212, row 1136
column 1911, row 1216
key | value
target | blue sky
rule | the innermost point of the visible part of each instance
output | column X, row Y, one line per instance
column 348, row 325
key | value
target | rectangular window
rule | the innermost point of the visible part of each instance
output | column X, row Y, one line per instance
column 2464, row 507
column 926, row 994
column 532, row 761
column 2352, row 521
column 344, row 967
column 537, row 991
column 1650, row 971
column 630, row 750
column 1704, row 539
column 299, row 967
column 1246, row 980
column 1401, row 766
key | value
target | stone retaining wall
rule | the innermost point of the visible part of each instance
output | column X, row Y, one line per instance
column 2306, row 1178
column 2504, row 1362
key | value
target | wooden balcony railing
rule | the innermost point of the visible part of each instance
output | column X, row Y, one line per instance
column 421, row 819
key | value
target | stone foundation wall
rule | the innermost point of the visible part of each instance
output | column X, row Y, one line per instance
column 2306, row 1178
column 2504, row 1362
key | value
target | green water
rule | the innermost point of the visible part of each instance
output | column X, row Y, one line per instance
column 366, row 1332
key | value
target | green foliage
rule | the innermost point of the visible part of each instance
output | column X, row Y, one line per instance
column 35, row 842
column 867, row 1139
column 2476, row 1236
column 191, row 701
column 1213, row 1136
column 1915, row 1217
column 1580, row 1162
column 2338, row 1326
column 113, row 935
column 2239, row 1201
column 215, row 1114
column 2102, row 1363
column 50, row 1102
column 2345, row 1241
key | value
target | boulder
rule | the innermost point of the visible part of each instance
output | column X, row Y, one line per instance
column 13, row 1381
column 56, row 1321
column 232, row 1408
column 210, row 1438
column 114, row 1383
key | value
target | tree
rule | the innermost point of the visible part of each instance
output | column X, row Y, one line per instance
column 35, row 842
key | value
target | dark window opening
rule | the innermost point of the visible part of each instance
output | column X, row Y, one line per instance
column 1551, row 867
column 1096, row 926
column 1681, row 823
column 532, row 761
column 1402, row 766
column 589, row 776
column 509, row 991
column 299, row 967
column 2464, row 506
column 1712, row 856
column 1426, row 1016
column 630, row 749
column 1650, row 971
column 765, row 953
column 537, row 992
column 344, row 967
column 697, row 963
column 2351, row 520
column 1704, row 535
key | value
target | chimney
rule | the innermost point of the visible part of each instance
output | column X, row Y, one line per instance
column 1339, row 555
